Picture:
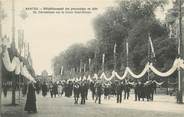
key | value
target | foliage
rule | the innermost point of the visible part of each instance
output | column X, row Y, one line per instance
column 132, row 20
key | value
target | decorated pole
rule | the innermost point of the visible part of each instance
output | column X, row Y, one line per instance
column 127, row 55
column 103, row 62
column 115, row 63
column 13, row 40
column 20, row 45
column 89, row 65
column 80, row 69
column 180, row 53
column 127, row 52
column 84, row 68
column 149, row 57
column 95, row 63
column 0, row 59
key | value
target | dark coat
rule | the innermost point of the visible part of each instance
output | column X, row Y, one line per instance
column 83, row 90
column 76, row 90
column 31, row 99
column 44, row 89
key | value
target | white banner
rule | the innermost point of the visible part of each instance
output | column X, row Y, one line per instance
column 141, row 74
column 16, row 65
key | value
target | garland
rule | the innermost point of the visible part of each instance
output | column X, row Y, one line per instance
column 16, row 65
column 178, row 63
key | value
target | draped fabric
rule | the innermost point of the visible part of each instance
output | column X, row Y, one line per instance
column 158, row 83
column 141, row 74
column 105, row 77
column 16, row 65
column 124, row 75
column 80, row 78
column 178, row 63
column 89, row 78
column 84, row 78
column 10, row 66
column 95, row 76
column 167, row 73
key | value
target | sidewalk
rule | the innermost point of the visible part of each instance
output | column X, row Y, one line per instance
column 13, row 111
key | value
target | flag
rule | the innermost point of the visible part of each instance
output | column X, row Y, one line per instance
column 127, row 48
column 177, row 34
column 84, row 67
column 13, row 48
column 89, row 64
column 80, row 69
column 170, row 31
column 26, row 49
column 115, row 48
column 103, row 61
column 20, row 40
column 6, row 41
column 61, row 71
column 151, row 44
column 103, row 58
column 177, row 28
column 115, row 56
column 29, row 59
column 89, row 61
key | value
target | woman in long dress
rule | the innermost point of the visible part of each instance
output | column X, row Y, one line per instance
column 31, row 99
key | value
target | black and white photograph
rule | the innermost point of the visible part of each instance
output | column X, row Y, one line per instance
column 91, row 58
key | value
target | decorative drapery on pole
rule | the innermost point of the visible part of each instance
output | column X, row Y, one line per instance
column 89, row 64
column 114, row 54
column 13, row 43
column 103, row 62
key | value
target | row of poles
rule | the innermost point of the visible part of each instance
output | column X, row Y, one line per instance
column 180, row 54
column 13, row 41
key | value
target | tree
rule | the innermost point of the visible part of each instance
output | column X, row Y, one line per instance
column 132, row 21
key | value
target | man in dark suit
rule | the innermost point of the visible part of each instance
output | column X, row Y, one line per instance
column 83, row 93
column 119, row 89
column 76, row 92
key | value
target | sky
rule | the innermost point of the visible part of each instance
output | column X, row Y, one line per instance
column 50, row 34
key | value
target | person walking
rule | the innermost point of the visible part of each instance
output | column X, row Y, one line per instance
column 44, row 89
column 76, row 90
column 60, row 89
column 119, row 90
column 55, row 89
column 30, row 105
column 92, row 88
column 82, row 92
column 127, row 90
column 98, row 92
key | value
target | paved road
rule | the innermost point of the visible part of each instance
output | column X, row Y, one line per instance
column 163, row 106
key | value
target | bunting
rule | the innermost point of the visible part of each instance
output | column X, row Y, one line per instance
column 16, row 66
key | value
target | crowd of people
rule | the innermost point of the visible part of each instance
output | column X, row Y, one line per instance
column 80, row 89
